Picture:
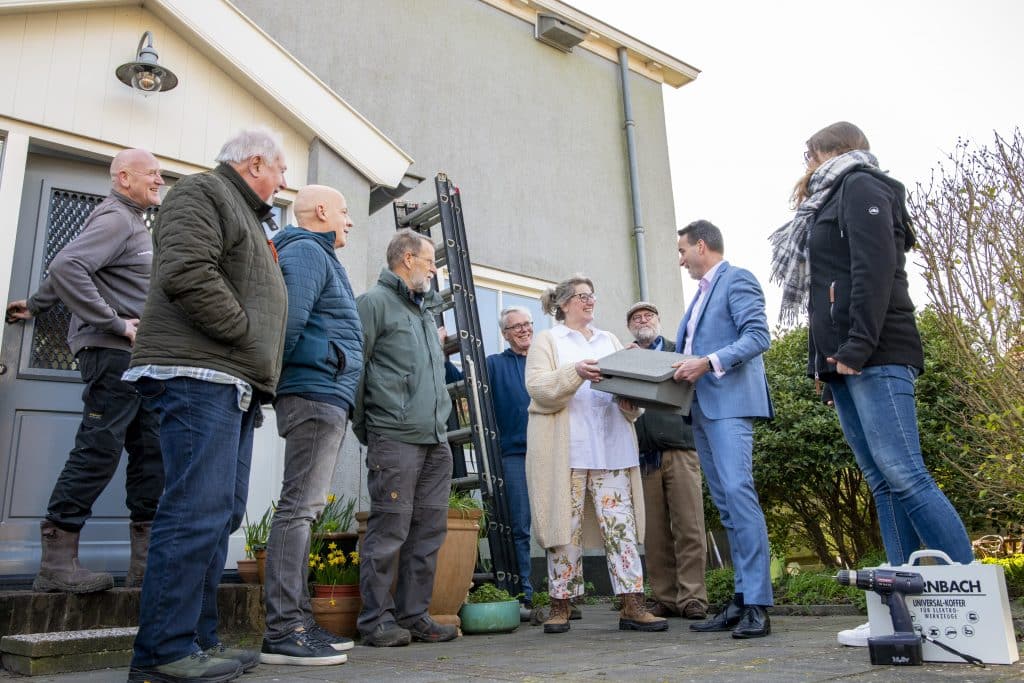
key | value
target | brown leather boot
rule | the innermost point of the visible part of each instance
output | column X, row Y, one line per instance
column 140, row 550
column 635, row 617
column 59, row 571
column 558, row 618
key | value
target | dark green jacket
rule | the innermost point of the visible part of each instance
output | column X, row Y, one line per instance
column 402, row 393
column 217, row 298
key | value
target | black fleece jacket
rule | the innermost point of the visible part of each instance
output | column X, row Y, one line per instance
column 859, row 307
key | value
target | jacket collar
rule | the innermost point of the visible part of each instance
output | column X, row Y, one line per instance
column 427, row 301
column 262, row 210
column 293, row 232
column 127, row 201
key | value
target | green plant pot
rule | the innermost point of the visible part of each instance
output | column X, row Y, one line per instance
column 490, row 617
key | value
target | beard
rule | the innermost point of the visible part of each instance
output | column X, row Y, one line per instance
column 646, row 334
column 422, row 285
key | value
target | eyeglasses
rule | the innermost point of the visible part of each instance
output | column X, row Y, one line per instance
column 808, row 156
column 520, row 327
column 423, row 258
column 152, row 173
column 584, row 297
column 643, row 317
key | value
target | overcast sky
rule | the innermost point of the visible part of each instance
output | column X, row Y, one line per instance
column 915, row 75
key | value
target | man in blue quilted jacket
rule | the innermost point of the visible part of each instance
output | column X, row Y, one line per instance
column 323, row 358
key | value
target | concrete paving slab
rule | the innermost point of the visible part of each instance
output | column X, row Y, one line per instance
column 801, row 649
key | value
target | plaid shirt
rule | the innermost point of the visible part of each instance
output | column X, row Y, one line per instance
column 166, row 372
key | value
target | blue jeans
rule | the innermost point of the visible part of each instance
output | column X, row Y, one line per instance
column 877, row 413
column 313, row 433
column 725, row 448
column 519, row 509
column 207, row 447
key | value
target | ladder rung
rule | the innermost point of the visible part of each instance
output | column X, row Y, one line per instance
column 456, row 389
column 471, row 481
column 460, row 436
column 428, row 214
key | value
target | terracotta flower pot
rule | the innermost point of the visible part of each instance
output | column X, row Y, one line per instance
column 455, row 563
column 248, row 572
column 338, row 610
column 261, row 564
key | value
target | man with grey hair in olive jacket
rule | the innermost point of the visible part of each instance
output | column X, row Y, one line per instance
column 208, row 353
column 401, row 414
column 102, row 276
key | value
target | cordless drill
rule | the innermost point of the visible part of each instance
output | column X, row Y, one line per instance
column 903, row 647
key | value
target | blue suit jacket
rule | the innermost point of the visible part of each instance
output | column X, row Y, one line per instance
column 733, row 325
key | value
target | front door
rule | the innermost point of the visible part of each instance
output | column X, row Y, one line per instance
column 40, row 388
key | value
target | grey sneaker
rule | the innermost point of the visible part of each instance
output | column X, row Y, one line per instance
column 339, row 643
column 247, row 658
column 429, row 631
column 387, row 635
column 300, row 648
column 198, row 667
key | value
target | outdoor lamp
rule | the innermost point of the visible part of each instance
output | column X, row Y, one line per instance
column 144, row 74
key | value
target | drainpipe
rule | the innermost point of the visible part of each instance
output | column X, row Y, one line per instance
column 634, row 176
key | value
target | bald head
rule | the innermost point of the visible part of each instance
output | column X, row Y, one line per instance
column 135, row 173
column 319, row 208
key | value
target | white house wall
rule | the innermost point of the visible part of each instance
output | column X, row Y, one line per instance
column 58, row 72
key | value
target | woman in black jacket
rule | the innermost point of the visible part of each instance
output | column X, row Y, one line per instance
column 844, row 254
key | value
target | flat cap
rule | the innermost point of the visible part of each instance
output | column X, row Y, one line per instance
column 641, row 306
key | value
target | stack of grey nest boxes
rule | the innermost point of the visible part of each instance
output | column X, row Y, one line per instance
column 645, row 377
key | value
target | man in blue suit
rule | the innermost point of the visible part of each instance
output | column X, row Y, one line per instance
column 726, row 328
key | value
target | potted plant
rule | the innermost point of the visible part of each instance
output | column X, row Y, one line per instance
column 457, row 557
column 334, row 577
column 334, row 523
column 251, row 569
column 490, row 609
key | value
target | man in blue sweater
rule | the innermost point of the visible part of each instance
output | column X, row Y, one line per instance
column 323, row 359
column 507, row 374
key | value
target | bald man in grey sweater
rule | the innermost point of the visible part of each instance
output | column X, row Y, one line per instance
column 102, row 276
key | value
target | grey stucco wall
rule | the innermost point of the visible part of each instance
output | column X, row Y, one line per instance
column 533, row 136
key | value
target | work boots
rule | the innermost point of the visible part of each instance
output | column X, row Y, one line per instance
column 558, row 617
column 59, row 571
column 140, row 550
column 634, row 615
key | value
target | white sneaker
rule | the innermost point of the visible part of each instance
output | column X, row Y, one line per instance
column 855, row 637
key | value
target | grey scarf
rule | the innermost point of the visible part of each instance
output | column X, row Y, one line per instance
column 789, row 243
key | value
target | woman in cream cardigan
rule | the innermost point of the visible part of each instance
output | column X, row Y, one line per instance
column 579, row 442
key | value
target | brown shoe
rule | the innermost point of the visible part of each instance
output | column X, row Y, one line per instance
column 635, row 617
column 558, row 618
column 695, row 610
column 660, row 609
column 140, row 551
column 59, row 571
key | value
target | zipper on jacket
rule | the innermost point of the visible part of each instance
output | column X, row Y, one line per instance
column 832, row 302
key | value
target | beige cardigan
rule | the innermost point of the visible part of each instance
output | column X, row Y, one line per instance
column 551, row 387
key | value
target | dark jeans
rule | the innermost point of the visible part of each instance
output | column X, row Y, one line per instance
column 519, row 509
column 113, row 418
column 313, row 433
column 207, row 447
column 409, row 486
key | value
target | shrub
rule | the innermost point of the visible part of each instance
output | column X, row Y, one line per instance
column 720, row 585
column 488, row 592
column 1013, row 567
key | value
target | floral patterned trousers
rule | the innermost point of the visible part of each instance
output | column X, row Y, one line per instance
column 613, row 504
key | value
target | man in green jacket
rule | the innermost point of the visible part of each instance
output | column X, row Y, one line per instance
column 401, row 412
column 207, row 354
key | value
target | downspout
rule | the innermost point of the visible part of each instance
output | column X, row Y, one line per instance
column 634, row 175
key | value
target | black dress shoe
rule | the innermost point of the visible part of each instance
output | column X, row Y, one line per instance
column 723, row 621
column 753, row 624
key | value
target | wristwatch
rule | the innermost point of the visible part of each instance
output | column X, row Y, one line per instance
column 711, row 366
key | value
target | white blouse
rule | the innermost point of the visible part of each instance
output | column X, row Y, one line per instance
column 599, row 434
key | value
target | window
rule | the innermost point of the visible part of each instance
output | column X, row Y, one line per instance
column 497, row 290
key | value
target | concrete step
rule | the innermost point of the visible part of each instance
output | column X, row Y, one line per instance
column 42, row 633
column 36, row 654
